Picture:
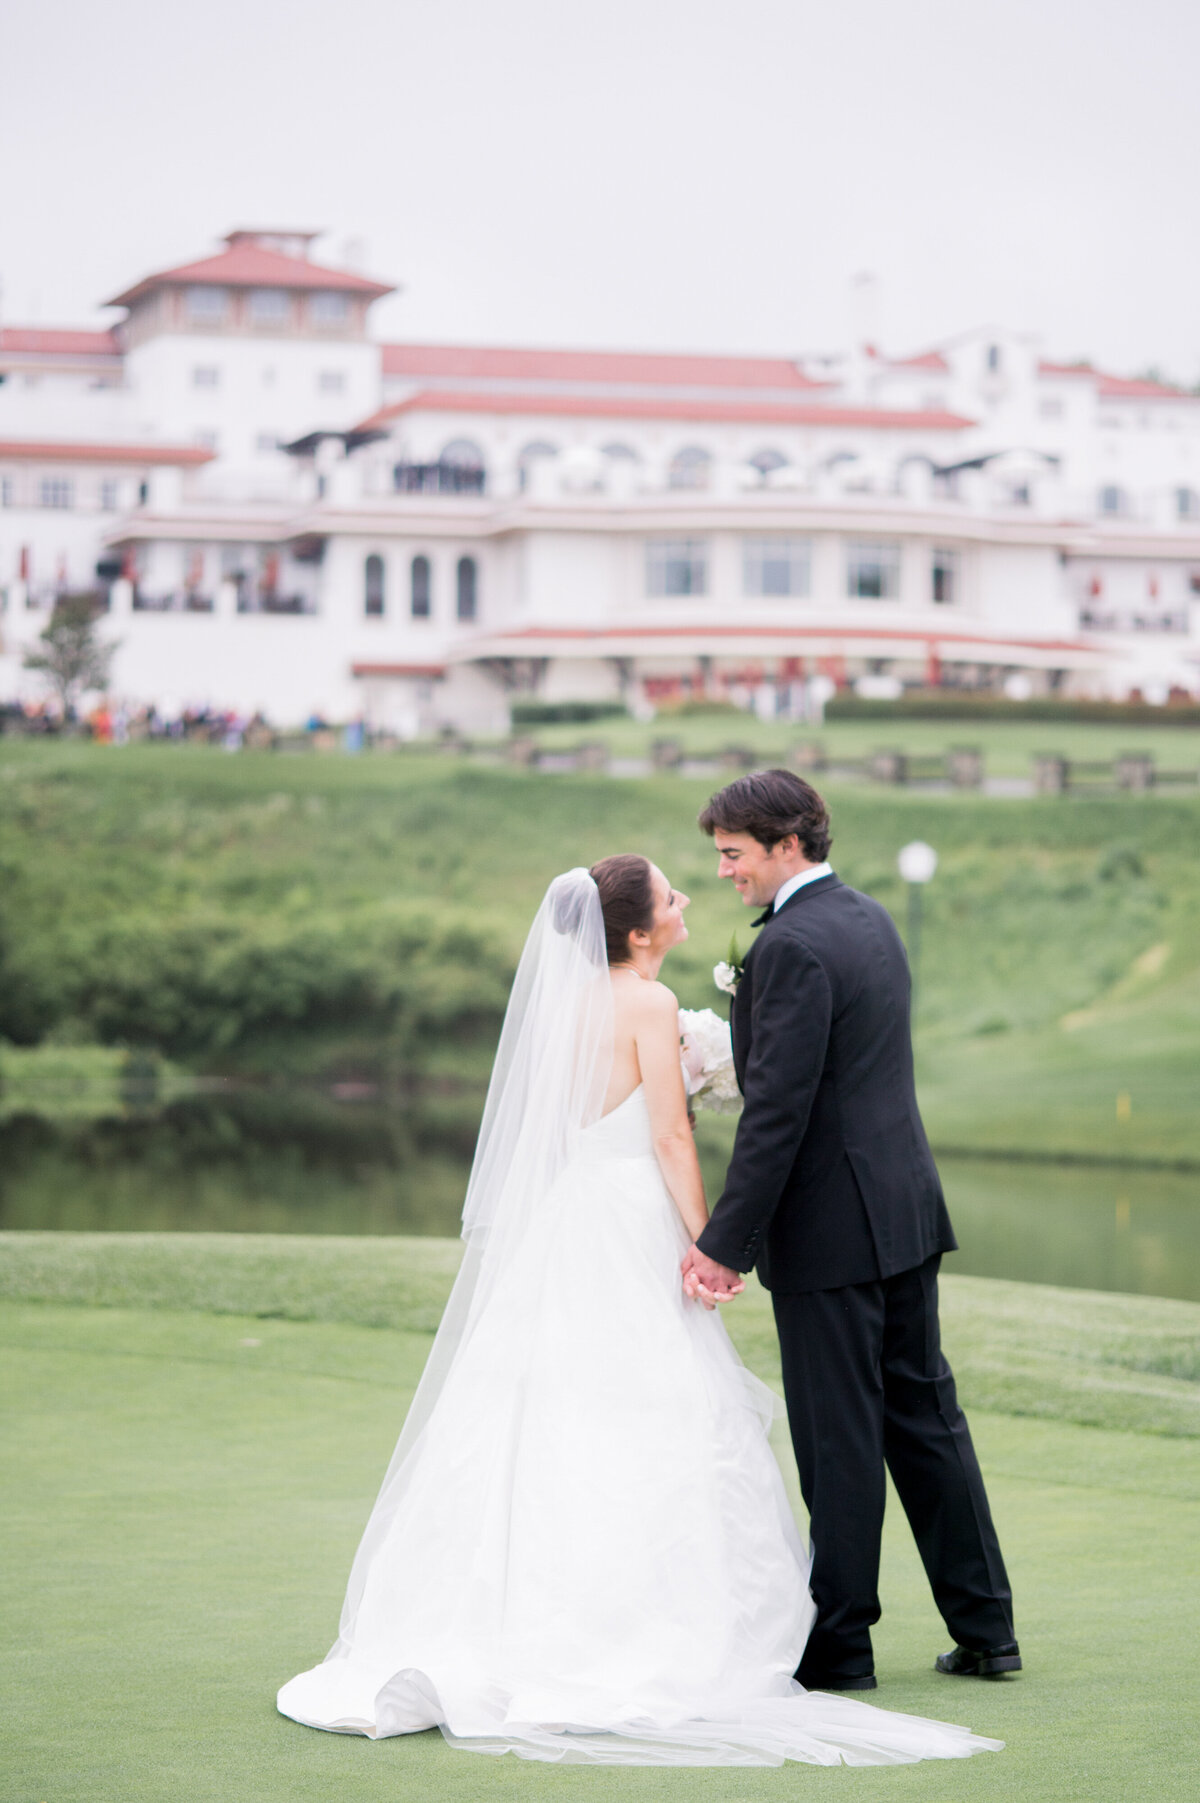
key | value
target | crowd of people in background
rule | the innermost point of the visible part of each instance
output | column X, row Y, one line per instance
column 112, row 723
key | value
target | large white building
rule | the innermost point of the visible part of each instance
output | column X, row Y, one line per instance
column 288, row 515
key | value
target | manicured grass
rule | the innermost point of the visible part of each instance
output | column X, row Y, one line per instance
column 182, row 1491
column 1024, row 1349
column 1008, row 746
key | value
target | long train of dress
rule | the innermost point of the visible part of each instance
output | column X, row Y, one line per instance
column 595, row 1561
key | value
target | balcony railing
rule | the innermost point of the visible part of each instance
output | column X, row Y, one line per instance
column 174, row 601
column 1133, row 619
column 438, row 479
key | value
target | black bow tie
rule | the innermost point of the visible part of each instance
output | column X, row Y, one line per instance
column 763, row 918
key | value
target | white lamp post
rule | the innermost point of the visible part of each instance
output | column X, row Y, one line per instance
column 917, row 863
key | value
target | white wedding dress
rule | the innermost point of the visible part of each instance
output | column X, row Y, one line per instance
column 583, row 1551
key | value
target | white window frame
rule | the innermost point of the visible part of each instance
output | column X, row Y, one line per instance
column 883, row 554
column 777, row 553
column 56, row 492
column 206, row 303
column 667, row 555
column 277, row 313
column 945, row 558
column 329, row 307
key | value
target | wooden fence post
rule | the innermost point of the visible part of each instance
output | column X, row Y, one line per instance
column 964, row 766
column 1051, row 773
column 889, row 767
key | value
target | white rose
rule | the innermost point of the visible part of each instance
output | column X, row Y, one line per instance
column 708, row 1061
column 725, row 977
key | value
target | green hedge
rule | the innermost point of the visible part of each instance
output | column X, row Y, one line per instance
column 949, row 704
column 566, row 713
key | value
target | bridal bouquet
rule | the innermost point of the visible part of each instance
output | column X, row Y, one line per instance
column 708, row 1061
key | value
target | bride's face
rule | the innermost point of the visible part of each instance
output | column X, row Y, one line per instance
column 666, row 928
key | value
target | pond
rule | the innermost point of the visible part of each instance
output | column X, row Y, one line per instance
column 306, row 1162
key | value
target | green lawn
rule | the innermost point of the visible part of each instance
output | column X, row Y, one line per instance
column 340, row 914
column 186, row 1468
column 1008, row 746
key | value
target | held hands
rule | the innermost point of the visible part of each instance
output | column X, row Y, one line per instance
column 707, row 1282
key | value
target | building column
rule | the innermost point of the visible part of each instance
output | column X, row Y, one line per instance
column 120, row 598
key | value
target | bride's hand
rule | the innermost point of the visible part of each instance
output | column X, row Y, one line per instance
column 707, row 1282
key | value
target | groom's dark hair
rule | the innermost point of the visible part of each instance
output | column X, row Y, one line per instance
column 770, row 804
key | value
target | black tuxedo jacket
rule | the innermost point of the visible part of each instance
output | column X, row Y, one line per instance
column 832, row 1181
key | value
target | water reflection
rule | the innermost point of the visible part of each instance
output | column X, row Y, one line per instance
column 305, row 1162
column 1088, row 1227
column 241, row 1162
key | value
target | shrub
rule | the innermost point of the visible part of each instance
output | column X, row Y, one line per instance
column 959, row 704
column 566, row 713
column 203, row 985
column 699, row 707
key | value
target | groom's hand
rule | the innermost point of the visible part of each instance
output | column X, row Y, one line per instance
column 708, row 1282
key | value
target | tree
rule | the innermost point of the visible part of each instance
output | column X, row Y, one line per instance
column 74, row 659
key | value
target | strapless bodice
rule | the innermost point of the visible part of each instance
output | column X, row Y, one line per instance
column 624, row 1132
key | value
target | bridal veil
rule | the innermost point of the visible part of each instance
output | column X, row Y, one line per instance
column 548, row 1085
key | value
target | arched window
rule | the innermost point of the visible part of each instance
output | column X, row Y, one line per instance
column 766, row 461
column 459, row 470
column 621, row 453
column 467, row 588
column 690, row 468
column 462, row 454
column 529, row 454
column 421, row 608
column 373, row 585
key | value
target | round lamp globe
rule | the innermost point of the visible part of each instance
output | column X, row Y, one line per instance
column 917, row 861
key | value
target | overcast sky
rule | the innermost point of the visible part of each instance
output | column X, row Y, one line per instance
column 691, row 174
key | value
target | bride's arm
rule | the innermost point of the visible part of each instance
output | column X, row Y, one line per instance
column 656, row 1032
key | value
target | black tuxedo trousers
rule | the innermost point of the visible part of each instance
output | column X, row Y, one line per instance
column 867, row 1384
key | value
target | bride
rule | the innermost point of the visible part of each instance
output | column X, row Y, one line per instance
column 582, row 1550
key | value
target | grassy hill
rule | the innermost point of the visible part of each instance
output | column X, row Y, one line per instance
column 271, row 913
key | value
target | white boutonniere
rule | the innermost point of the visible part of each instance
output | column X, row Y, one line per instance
column 728, row 974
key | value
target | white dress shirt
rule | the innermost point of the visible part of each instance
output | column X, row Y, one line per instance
column 798, row 881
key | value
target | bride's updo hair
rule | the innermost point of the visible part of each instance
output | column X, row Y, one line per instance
column 626, row 898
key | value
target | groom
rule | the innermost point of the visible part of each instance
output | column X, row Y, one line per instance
column 833, row 1194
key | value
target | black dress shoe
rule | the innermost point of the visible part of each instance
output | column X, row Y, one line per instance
column 866, row 1681
column 963, row 1663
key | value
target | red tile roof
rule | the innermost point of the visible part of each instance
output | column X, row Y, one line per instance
column 931, row 360
column 1068, row 369
column 250, row 266
column 45, row 450
column 1118, row 388
column 602, row 406
column 673, row 629
column 668, row 369
column 57, row 342
column 1134, row 388
column 426, row 670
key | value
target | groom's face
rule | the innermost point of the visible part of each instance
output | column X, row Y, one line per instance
column 756, row 871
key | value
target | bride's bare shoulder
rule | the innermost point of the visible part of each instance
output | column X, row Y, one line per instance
column 644, row 1001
